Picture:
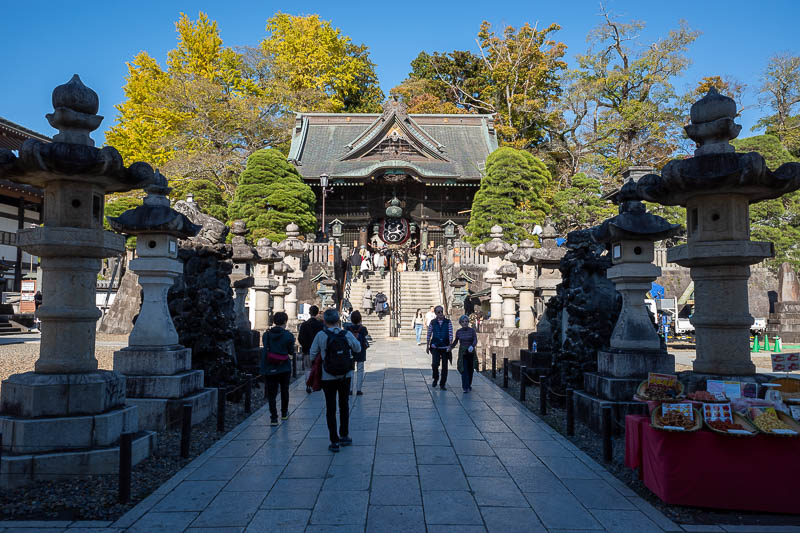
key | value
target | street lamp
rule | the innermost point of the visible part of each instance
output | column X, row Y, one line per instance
column 323, row 181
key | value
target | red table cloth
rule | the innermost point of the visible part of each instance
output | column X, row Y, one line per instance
column 704, row 469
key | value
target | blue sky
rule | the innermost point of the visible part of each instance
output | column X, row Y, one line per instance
column 45, row 42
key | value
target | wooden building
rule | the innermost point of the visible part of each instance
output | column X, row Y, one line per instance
column 430, row 166
column 20, row 207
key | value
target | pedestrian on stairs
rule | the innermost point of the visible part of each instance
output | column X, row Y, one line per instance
column 366, row 266
column 355, row 264
column 417, row 324
column 377, row 263
column 308, row 330
column 366, row 301
column 467, row 356
column 440, row 338
column 336, row 348
column 360, row 333
column 276, row 364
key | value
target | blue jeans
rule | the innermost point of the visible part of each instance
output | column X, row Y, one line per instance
column 431, row 262
column 422, row 264
column 418, row 330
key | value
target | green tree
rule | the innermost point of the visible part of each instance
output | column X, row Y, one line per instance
column 270, row 195
column 316, row 64
column 114, row 208
column 780, row 93
column 205, row 194
column 511, row 195
column 775, row 220
column 580, row 206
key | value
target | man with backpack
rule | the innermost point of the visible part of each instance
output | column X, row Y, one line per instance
column 276, row 365
column 440, row 338
column 360, row 333
column 336, row 348
column 308, row 330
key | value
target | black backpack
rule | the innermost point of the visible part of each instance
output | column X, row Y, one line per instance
column 358, row 333
column 338, row 355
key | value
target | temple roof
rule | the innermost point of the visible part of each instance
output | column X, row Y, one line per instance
column 13, row 135
column 358, row 146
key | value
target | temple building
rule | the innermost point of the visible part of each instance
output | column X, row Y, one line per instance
column 20, row 207
column 425, row 169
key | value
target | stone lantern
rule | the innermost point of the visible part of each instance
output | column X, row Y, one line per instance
column 547, row 260
column 279, row 293
column 67, row 403
column 337, row 229
column 326, row 288
column 496, row 249
column 717, row 186
column 634, row 348
column 525, row 283
column 158, row 370
column 266, row 256
column 293, row 250
column 449, row 232
column 241, row 275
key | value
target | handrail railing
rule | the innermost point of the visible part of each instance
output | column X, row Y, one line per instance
column 347, row 282
column 442, row 290
column 395, row 299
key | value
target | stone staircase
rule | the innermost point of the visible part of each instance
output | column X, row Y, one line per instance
column 420, row 290
column 378, row 328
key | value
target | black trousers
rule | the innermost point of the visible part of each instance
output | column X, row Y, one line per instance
column 332, row 388
column 273, row 382
column 466, row 376
column 438, row 355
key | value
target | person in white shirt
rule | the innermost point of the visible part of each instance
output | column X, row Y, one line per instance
column 377, row 262
column 430, row 315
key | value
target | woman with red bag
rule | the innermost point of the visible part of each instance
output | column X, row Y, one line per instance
column 276, row 365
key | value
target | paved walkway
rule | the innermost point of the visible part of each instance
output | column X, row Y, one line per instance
column 422, row 460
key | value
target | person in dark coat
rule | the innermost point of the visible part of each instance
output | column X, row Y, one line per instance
column 308, row 330
column 355, row 263
column 467, row 356
column 276, row 364
column 360, row 333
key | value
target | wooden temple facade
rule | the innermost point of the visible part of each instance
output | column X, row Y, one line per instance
column 20, row 207
column 428, row 166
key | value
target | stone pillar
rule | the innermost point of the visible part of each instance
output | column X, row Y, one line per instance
column 158, row 370
column 67, row 403
column 293, row 250
column 527, row 300
column 267, row 256
column 509, row 296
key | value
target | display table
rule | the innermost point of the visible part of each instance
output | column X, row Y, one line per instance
column 704, row 469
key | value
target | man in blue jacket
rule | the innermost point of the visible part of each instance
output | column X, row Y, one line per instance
column 440, row 337
column 276, row 364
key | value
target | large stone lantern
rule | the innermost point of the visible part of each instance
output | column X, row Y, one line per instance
column 158, row 370
column 508, row 293
column 717, row 186
column 247, row 341
column 264, row 283
column 67, row 403
column 496, row 249
column 547, row 259
column 293, row 250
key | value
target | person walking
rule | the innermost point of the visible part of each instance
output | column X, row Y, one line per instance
column 336, row 348
column 355, row 264
column 360, row 333
column 429, row 316
column 440, row 337
column 417, row 324
column 276, row 365
column 377, row 263
column 305, row 336
column 467, row 356
column 431, row 259
column 366, row 266
column 423, row 260
column 366, row 301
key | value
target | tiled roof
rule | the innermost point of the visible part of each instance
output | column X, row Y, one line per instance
column 13, row 135
column 320, row 141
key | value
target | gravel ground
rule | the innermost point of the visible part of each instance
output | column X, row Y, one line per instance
column 95, row 497
column 591, row 443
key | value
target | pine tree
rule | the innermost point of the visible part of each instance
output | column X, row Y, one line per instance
column 270, row 195
column 511, row 195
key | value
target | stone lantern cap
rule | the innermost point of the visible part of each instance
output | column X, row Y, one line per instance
column 155, row 215
column 507, row 271
column 73, row 155
column 291, row 245
column 282, row 268
column 523, row 253
column 265, row 252
column 496, row 246
column 716, row 167
column 633, row 221
column 242, row 252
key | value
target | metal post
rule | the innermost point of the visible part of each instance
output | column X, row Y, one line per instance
column 543, row 395
column 505, row 372
column 248, row 395
column 570, row 414
column 494, row 366
column 606, row 431
column 186, row 430
column 125, row 466
column 222, row 394
column 294, row 365
column 523, row 382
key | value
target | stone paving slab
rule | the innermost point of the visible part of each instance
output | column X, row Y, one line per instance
column 423, row 459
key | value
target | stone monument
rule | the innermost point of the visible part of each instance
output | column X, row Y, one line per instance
column 264, row 283
column 785, row 321
column 635, row 349
column 158, row 370
column 496, row 249
column 246, row 340
column 717, row 186
column 66, row 417
column 293, row 250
